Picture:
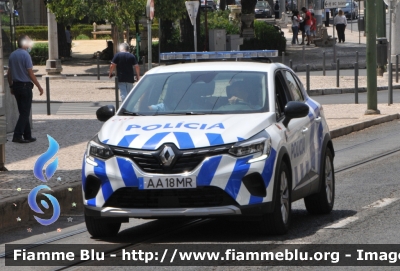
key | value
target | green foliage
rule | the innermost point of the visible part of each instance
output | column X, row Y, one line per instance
column 170, row 10
column 219, row 20
column 82, row 37
column 266, row 38
column 5, row 20
column 119, row 12
column 39, row 53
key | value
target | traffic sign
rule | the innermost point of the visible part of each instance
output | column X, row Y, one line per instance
column 335, row 3
column 192, row 9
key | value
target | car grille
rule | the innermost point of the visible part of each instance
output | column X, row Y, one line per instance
column 132, row 197
column 185, row 161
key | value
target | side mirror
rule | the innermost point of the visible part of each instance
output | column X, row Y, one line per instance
column 294, row 110
column 106, row 112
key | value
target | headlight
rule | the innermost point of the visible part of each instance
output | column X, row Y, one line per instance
column 246, row 150
column 259, row 144
column 96, row 149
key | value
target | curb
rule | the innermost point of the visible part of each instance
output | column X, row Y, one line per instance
column 332, row 91
column 362, row 125
column 9, row 212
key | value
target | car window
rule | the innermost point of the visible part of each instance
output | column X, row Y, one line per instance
column 293, row 87
column 281, row 95
column 206, row 92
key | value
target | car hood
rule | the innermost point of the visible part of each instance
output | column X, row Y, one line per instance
column 186, row 132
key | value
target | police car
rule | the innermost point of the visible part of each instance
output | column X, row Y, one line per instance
column 210, row 139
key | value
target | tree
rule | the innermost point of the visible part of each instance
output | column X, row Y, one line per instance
column 120, row 13
column 248, row 6
column 169, row 12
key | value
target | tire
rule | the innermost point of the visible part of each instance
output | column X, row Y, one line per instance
column 323, row 201
column 101, row 227
column 278, row 221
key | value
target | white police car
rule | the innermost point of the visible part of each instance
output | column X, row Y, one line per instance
column 209, row 139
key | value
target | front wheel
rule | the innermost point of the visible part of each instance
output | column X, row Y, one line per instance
column 101, row 227
column 278, row 221
column 322, row 202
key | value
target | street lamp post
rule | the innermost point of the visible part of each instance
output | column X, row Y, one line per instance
column 390, row 4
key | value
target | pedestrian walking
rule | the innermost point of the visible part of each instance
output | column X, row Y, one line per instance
column 327, row 11
column 276, row 9
column 20, row 77
column 340, row 22
column 295, row 26
column 307, row 24
column 313, row 28
column 124, row 61
column 69, row 40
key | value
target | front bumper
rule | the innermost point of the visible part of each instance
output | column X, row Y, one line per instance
column 223, row 172
column 163, row 212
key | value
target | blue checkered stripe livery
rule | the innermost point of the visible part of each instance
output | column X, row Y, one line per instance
column 315, row 143
column 223, row 171
column 183, row 140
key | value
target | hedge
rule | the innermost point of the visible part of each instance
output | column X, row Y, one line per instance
column 41, row 33
column 267, row 37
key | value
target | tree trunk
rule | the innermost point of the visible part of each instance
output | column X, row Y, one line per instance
column 62, row 41
column 187, row 38
column 232, row 2
column 248, row 6
column 222, row 4
column 166, row 34
column 115, row 38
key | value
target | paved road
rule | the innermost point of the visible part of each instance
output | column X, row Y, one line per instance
column 366, row 211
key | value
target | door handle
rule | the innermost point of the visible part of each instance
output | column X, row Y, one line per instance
column 318, row 119
column 304, row 130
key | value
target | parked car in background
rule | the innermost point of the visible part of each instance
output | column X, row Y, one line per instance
column 263, row 9
column 210, row 5
column 349, row 11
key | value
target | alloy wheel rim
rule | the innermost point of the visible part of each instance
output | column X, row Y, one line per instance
column 284, row 191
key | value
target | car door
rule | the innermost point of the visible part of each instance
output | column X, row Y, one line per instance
column 297, row 132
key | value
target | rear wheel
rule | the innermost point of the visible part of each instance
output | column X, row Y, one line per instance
column 101, row 227
column 322, row 202
column 278, row 221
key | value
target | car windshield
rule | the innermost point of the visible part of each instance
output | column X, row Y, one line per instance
column 261, row 4
column 204, row 92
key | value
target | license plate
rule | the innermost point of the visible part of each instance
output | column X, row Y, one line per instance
column 167, row 182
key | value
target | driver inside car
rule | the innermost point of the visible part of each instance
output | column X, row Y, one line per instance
column 238, row 97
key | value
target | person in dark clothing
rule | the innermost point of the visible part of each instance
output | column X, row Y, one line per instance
column 124, row 62
column 68, row 36
column 20, row 77
column 327, row 11
column 276, row 9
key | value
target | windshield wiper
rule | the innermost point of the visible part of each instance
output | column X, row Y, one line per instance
column 126, row 112
column 194, row 113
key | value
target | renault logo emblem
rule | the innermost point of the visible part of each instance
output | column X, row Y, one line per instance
column 167, row 155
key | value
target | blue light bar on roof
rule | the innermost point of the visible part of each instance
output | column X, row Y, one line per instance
column 219, row 55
